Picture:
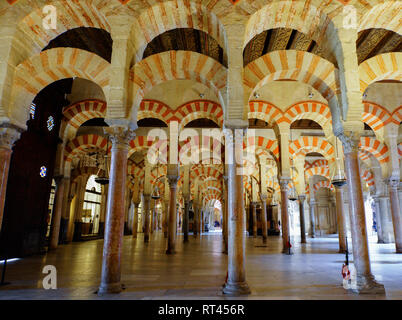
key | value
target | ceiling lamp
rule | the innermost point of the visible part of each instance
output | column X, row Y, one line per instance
column 310, row 94
column 155, row 193
column 104, row 167
column 338, row 178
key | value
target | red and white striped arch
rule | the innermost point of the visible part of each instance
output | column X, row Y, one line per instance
column 161, row 16
column 173, row 65
column 397, row 115
column 88, row 171
column 206, row 171
column 312, row 18
column 323, row 184
column 376, row 148
column 265, row 111
column 312, row 110
column 293, row 65
column 70, row 15
column 52, row 65
column 80, row 112
column 386, row 66
column 262, row 143
column 82, row 144
column 312, row 144
column 317, row 171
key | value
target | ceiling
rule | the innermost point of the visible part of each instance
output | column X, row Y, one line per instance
column 186, row 39
column 95, row 40
column 372, row 42
column 282, row 39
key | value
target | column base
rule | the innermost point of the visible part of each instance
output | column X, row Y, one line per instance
column 110, row 288
column 368, row 285
column 236, row 289
column 287, row 251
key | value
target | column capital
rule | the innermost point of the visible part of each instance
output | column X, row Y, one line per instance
column 393, row 183
column 284, row 184
column 173, row 179
column 350, row 141
column 9, row 134
column 302, row 197
column 120, row 135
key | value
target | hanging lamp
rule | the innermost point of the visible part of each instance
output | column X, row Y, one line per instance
column 155, row 193
column 338, row 178
column 104, row 168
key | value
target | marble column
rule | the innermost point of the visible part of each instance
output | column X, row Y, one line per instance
column 284, row 183
column 378, row 219
column 145, row 214
column 236, row 277
column 340, row 219
column 195, row 220
column 365, row 281
column 135, row 220
column 152, row 215
column 165, row 219
column 186, row 219
column 224, row 227
column 302, row 224
column 264, row 198
column 112, row 248
column 225, row 213
column 8, row 136
column 56, row 216
column 254, row 205
column 172, row 228
column 396, row 212
column 312, row 218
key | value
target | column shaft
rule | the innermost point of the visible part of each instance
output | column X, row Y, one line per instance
column 135, row 220
column 302, row 224
column 264, row 220
column 185, row 220
column 112, row 248
column 286, row 248
column 340, row 218
column 171, row 248
column 396, row 214
column 57, row 211
column 146, row 217
column 254, row 219
column 361, row 259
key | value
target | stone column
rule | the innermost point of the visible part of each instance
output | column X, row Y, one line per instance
column 236, row 278
column 152, row 215
column 165, row 219
column 79, row 203
column 312, row 218
column 254, row 205
column 112, row 248
column 147, row 199
column 225, row 213
column 396, row 212
column 171, row 248
column 386, row 219
column 264, row 198
column 135, row 220
column 185, row 219
column 104, row 197
column 302, row 224
column 378, row 219
column 8, row 136
column 285, row 217
column 366, row 282
column 340, row 219
column 56, row 216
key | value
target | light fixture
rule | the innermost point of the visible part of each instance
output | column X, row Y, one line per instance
column 365, row 94
column 256, row 95
column 292, row 195
column 104, row 167
column 310, row 93
column 155, row 193
column 202, row 95
column 338, row 178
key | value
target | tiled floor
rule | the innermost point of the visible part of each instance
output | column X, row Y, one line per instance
column 198, row 271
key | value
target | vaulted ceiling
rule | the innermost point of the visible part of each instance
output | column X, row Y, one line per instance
column 186, row 39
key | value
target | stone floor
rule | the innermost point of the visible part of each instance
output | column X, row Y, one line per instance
column 198, row 270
